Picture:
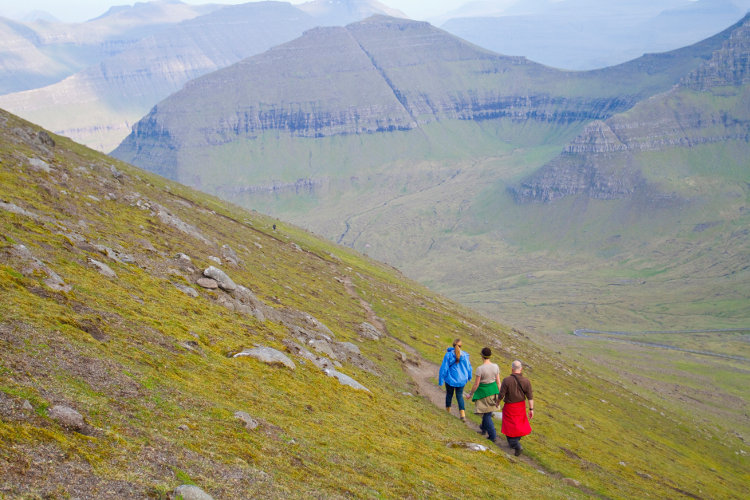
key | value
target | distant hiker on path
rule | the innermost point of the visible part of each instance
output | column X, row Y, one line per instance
column 455, row 372
column 485, row 393
column 515, row 389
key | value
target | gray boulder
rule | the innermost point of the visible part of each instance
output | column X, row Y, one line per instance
column 207, row 283
column 224, row 281
column 368, row 331
column 68, row 418
column 191, row 492
column 468, row 446
column 250, row 422
column 345, row 379
column 269, row 356
column 103, row 268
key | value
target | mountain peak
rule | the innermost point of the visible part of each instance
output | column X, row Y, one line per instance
column 729, row 65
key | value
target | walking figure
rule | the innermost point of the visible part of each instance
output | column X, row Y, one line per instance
column 515, row 390
column 455, row 372
column 485, row 393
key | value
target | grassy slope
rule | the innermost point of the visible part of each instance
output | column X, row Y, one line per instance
column 137, row 385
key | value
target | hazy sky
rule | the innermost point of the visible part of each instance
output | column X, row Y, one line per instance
column 82, row 10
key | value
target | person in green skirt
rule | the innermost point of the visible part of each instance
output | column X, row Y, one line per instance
column 485, row 393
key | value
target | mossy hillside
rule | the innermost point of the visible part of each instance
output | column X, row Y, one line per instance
column 114, row 348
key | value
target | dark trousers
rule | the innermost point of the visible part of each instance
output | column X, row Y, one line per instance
column 514, row 443
column 449, row 389
column 488, row 425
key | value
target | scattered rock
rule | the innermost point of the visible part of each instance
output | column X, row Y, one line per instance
column 214, row 259
column 26, row 406
column 250, row 422
column 468, row 446
column 580, row 427
column 268, row 355
column 322, row 346
column 183, row 428
column 103, row 268
column 171, row 220
column 189, row 291
column 224, row 281
column 15, row 209
column 192, row 346
column 320, row 361
column 572, row 482
column 45, row 139
column 230, row 255
column 345, row 379
column 368, row 331
column 32, row 265
column 191, row 492
column 68, row 418
column 207, row 283
column 39, row 165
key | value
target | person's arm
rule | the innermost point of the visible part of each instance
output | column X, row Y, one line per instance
column 443, row 372
column 531, row 409
column 473, row 389
column 503, row 390
column 499, row 383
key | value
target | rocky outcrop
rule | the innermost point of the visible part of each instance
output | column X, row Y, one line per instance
column 729, row 66
column 607, row 160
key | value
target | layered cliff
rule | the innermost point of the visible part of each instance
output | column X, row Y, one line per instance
column 611, row 158
column 379, row 76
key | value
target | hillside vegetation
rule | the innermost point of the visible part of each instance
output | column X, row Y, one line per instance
column 107, row 310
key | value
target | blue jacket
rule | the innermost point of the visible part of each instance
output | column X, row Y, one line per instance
column 453, row 373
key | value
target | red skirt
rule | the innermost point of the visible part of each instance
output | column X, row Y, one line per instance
column 515, row 421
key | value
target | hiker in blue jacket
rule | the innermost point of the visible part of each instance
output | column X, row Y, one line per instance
column 455, row 372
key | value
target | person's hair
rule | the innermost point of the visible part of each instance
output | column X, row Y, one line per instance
column 486, row 353
column 516, row 365
column 457, row 351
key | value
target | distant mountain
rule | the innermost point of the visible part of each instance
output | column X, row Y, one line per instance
column 98, row 105
column 587, row 34
column 384, row 75
column 42, row 53
column 402, row 143
column 615, row 158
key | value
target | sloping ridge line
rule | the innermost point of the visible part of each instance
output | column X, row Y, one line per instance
column 385, row 78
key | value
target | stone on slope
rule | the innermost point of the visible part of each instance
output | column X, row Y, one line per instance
column 191, row 492
column 224, row 281
column 268, row 355
column 68, row 418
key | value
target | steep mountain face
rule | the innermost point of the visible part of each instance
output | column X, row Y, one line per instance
column 120, row 89
column 379, row 76
column 585, row 34
column 609, row 159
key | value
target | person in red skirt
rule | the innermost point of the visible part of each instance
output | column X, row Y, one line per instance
column 515, row 390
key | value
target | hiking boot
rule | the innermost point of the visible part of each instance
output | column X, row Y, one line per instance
column 518, row 451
